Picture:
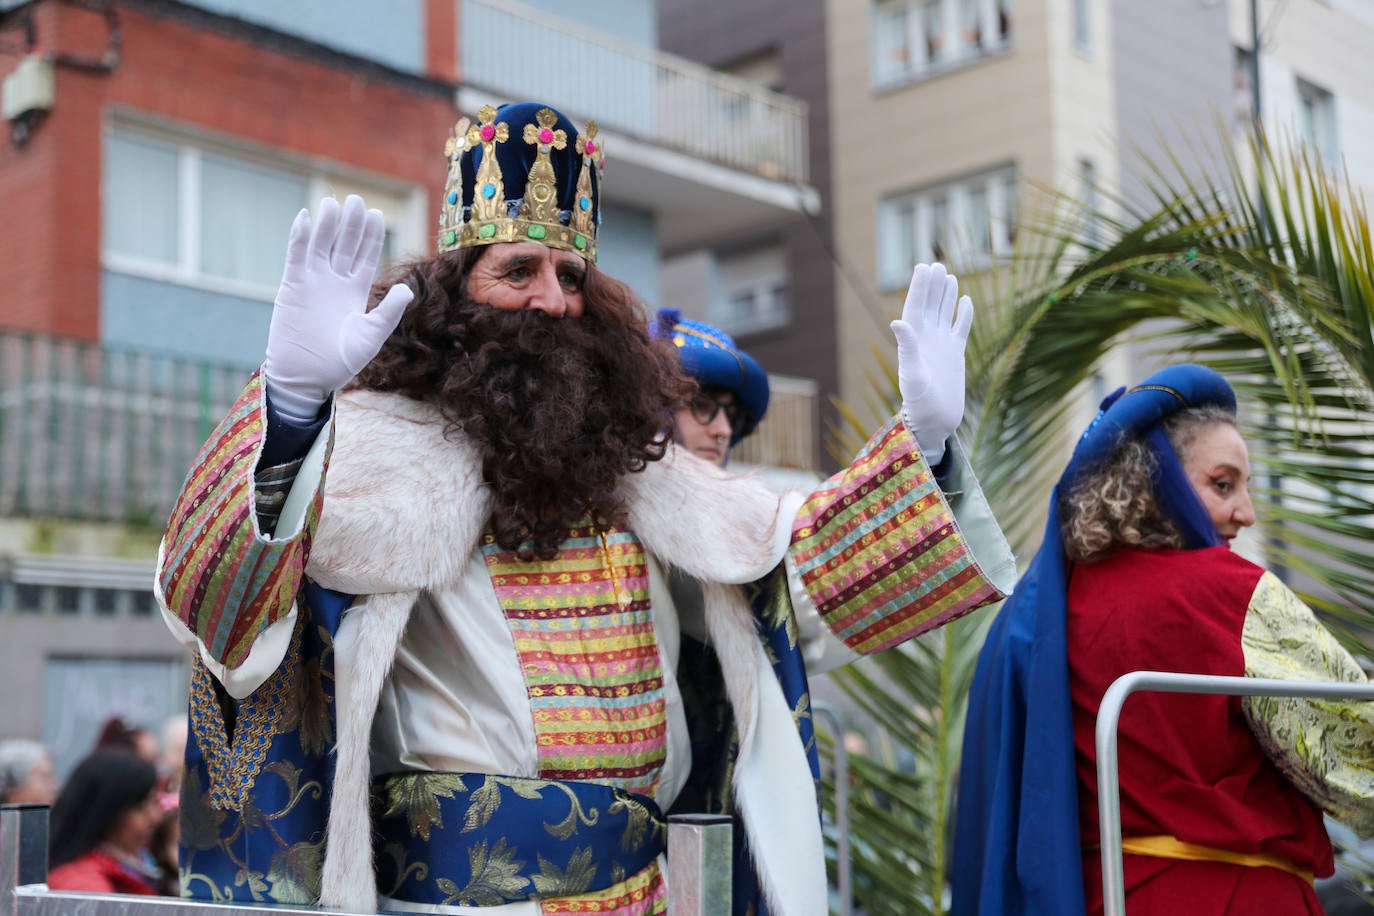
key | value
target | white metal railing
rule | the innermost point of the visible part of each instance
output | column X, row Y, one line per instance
column 1109, row 714
column 642, row 92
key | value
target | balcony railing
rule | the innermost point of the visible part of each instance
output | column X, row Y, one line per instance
column 99, row 434
column 94, row 433
column 520, row 53
column 787, row 436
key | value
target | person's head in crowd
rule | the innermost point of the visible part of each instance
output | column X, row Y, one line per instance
column 542, row 360
column 26, row 773
column 732, row 388
column 110, row 800
column 172, row 755
column 1159, row 471
column 116, row 733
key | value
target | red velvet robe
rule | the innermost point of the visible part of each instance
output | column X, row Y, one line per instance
column 1189, row 765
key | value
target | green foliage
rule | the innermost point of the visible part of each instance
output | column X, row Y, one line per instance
column 1279, row 297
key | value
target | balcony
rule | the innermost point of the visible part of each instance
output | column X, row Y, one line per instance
column 786, row 439
column 93, row 433
column 99, row 434
column 715, row 152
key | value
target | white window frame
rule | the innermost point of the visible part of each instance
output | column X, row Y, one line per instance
column 955, row 42
column 322, row 180
column 912, row 213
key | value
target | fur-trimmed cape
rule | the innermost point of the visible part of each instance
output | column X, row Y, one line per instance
column 404, row 509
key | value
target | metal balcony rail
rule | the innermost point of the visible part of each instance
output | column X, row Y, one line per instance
column 639, row 91
column 699, row 857
column 787, row 436
column 96, row 433
column 1109, row 715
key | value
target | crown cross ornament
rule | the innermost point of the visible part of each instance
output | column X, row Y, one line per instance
column 540, row 190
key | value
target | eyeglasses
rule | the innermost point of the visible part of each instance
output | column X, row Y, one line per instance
column 705, row 408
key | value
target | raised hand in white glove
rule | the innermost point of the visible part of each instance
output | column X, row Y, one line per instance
column 322, row 333
column 931, row 336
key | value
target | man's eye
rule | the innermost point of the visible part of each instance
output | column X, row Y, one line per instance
column 571, row 281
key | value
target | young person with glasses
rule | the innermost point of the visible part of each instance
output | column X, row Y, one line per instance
column 733, row 394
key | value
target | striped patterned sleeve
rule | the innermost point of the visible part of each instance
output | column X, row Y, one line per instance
column 881, row 553
column 1325, row 747
column 222, row 575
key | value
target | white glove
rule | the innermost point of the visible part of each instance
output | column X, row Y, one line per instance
column 931, row 336
column 322, row 334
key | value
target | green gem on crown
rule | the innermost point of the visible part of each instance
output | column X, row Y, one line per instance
column 450, row 237
column 537, row 231
column 487, row 231
column 580, row 241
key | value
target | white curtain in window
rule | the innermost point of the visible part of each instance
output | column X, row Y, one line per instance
column 139, row 209
column 245, row 215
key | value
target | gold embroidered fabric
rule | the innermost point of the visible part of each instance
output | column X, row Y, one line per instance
column 1326, row 747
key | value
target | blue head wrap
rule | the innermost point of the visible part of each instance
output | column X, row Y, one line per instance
column 1016, row 844
column 710, row 356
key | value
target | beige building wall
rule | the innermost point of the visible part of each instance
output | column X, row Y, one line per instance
column 1040, row 105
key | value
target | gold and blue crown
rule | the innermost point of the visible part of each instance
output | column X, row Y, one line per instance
column 522, row 173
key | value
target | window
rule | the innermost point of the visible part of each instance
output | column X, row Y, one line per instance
column 968, row 223
column 193, row 212
column 912, row 39
column 1082, row 25
column 1087, row 190
column 1317, row 121
column 753, row 291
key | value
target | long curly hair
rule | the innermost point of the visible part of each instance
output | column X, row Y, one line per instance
column 559, row 408
column 1114, row 505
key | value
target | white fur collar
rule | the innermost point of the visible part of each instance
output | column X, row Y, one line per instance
column 405, row 506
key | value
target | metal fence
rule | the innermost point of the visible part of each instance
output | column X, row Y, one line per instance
column 639, row 91
column 1109, row 715
column 97, row 433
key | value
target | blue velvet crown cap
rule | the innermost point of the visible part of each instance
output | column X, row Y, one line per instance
column 710, row 356
column 516, row 156
column 1134, row 411
column 522, row 173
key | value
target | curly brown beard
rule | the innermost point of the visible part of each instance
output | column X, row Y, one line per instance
column 559, row 408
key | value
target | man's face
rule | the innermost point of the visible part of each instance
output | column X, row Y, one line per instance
column 704, row 427
column 520, row 276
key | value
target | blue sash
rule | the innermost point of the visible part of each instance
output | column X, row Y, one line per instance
column 472, row 839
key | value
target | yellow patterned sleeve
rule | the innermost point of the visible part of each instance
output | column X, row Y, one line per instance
column 220, row 575
column 881, row 553
column 1326, row 747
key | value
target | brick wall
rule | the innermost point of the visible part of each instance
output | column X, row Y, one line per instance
column 187, row 71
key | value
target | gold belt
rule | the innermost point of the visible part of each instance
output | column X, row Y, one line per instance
column 1168, row 847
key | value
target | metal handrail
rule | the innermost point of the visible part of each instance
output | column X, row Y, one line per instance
column 699, row 856
column 1109, row 715
column 843, row 868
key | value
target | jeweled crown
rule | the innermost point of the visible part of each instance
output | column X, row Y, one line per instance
column 534, row 187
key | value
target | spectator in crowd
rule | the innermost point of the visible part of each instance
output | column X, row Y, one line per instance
column 102, row 824
column 26, row 773
column 117, row 733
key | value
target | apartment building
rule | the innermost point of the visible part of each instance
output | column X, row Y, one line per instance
column 950, row 117
column 155, row 154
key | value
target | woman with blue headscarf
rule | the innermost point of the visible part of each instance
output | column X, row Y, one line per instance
column 1221, row 797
